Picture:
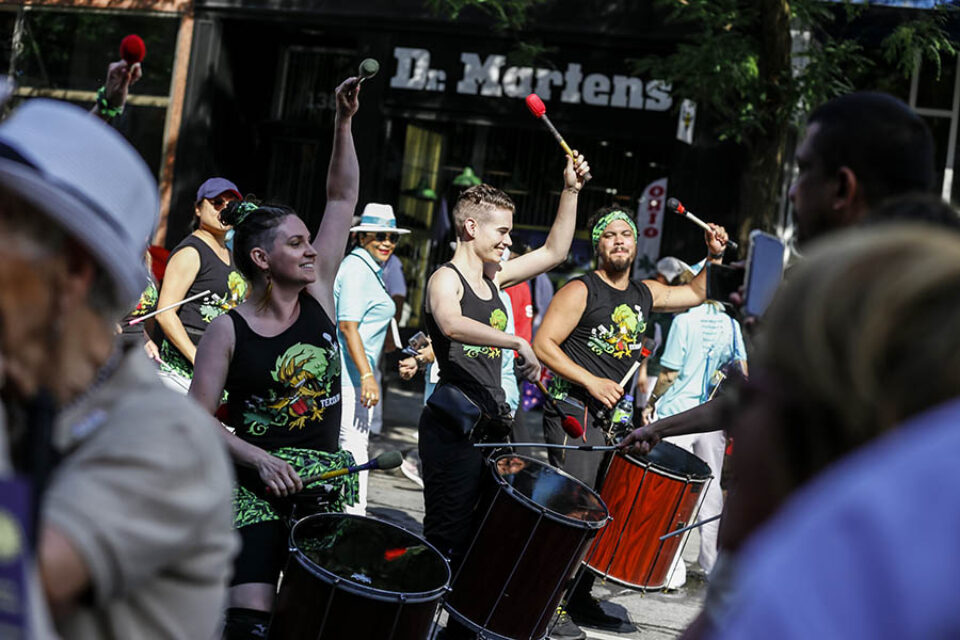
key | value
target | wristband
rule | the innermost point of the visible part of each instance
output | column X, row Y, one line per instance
column 714, row 256
column 572, row 190
column 368, row 374
column 104, row 108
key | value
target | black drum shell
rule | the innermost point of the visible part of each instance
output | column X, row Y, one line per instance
column 520, row 562
column 315, row 604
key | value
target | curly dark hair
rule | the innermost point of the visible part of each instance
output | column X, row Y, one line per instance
column 599, row 213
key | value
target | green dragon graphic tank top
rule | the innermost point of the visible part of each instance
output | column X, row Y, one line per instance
column 284, row 391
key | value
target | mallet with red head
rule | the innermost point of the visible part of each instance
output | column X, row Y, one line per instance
column 539, row 110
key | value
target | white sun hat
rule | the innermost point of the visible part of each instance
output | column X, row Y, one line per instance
column 378, row 217
column 671, row 267
column 87, row 178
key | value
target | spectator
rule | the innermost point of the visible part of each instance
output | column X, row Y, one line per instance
column 365, row 310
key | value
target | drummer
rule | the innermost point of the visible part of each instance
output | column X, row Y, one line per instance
column 590, row 338
column 466, row 320
column 277, row 356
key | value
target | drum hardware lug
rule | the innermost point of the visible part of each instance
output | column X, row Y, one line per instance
column 680, row 525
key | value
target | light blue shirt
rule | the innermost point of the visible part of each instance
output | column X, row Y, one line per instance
column 700, row 341
column 508, row 378
column 867, row 550
column 393, row 276
column 361, row 297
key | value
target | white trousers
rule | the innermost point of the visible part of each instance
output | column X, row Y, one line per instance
column 709, row 447
column 355, row 437
column 376, row 423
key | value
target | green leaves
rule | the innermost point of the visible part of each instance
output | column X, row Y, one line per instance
column 508, row 14
column 922, row 38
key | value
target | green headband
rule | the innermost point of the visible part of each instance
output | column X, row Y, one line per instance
column 603, row 222
column 243, row 210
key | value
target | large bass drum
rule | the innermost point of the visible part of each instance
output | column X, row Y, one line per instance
column 648, row 496
column 360, row 578
column 535, row 525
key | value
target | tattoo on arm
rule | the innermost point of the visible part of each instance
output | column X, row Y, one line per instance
column 667, row 292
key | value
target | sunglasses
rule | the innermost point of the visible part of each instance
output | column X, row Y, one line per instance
column 220, row 202
column 380, row 236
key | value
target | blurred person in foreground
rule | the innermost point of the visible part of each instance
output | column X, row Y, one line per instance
column 859, row 151
column 860, row 342
column 134, row 534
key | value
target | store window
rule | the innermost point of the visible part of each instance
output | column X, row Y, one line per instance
column 438, row 160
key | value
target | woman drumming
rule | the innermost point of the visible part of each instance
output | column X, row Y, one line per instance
column 364, row 311
column 201, row 262
column 277, row 356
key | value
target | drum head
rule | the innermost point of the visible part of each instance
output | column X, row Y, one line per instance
column 549, row 488
column 371, row 554
column 674, row 460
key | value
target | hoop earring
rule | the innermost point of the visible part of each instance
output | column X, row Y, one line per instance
column 265, row 300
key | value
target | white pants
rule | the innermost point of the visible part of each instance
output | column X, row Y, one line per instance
column 376, row 423
column 354, row 437
column 709, row 447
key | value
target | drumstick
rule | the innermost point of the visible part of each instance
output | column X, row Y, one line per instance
column 571, row 426
column 677, row 207
column 633, row 370
column 546, row 445
column 693, row 526
column 169, row 306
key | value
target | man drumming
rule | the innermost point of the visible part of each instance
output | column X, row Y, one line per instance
column 590, row 337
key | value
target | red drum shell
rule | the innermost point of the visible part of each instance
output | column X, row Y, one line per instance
column 393, row 594
column 535, row 529
column 648, row 497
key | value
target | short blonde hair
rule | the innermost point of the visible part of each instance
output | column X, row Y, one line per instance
column 477, row 201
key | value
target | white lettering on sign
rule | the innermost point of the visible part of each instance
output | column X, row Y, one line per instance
column 412, row 68
column 487, row 76
column 650, row 224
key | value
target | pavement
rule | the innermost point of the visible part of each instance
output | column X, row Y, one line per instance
column 393, row 497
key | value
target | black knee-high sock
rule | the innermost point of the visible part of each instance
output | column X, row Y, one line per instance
column 246, row 624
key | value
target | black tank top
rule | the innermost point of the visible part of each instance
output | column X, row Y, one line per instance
column 227, row 289
column 284, row 391
column 475, row 370
column 607, row 340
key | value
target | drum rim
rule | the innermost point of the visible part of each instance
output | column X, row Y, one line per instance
column 474, row 627
column 670, row 473
column 348, row 585
column 553, row 515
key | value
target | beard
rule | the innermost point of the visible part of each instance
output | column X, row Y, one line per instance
column 618, row 263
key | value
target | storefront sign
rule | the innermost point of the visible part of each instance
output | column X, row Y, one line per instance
column 488, row 76
column 650, row 226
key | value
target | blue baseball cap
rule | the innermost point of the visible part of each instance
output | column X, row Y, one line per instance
column 212, row 187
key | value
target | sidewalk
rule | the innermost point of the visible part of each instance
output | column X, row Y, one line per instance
column 392, row 497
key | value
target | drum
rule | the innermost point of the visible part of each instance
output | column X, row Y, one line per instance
column 648, row 496
column 353, row 577
column 535, row 525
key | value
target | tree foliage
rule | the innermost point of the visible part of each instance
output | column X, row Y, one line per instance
column 721, row 65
